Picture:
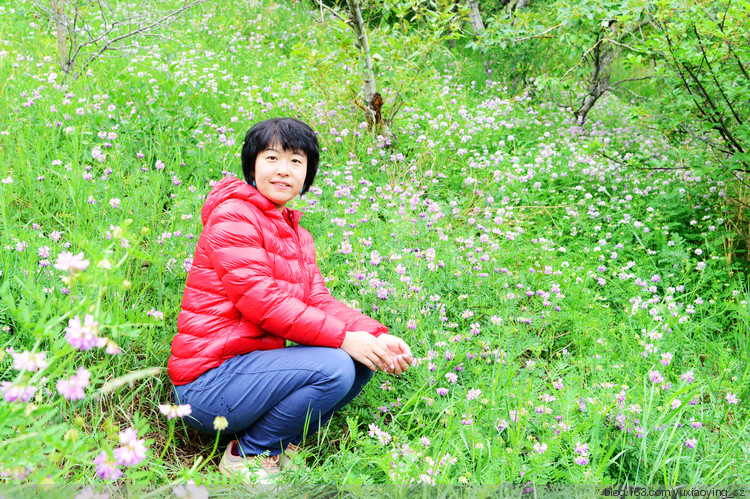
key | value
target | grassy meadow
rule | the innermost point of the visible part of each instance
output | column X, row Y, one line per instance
column 575, row 318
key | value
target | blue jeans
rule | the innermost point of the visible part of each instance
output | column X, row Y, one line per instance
column 273, row 398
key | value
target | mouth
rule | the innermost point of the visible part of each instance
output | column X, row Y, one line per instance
column 281, row 185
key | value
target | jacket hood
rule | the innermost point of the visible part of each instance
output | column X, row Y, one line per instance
column 235, row 188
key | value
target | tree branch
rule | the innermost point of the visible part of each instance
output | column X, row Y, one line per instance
column 337, row 14
column 631, row 79
column 168, row 17
column 713, row 75
column 583, row 57
column 540, row 35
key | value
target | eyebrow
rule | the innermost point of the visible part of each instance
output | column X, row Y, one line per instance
column 299, row 152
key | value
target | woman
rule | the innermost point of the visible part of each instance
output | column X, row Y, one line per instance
column 253, row 286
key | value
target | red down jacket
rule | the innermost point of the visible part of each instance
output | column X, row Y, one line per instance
column 254, row 282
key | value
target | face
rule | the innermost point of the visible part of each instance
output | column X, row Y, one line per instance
column 280, row 175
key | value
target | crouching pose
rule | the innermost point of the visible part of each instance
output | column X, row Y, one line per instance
column 253, row 288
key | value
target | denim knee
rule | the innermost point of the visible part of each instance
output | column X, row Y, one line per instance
column 340, row 370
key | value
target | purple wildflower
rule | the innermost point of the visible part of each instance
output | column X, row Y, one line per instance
column 655, row 377
column 16, row 393
column 106, row 467
column 83, row 336
column 72, row 389
column 132, row 450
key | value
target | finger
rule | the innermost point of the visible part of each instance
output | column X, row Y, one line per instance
column 378, row 362
column 406, row 348
column 384, row 359
column 399, row 347
column 369, row 364
column 408, row 357
column 403, row 364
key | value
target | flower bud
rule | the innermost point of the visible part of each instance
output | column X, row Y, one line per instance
column 220, row 423
column 71, row 435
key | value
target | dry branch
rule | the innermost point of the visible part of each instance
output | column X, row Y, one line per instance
column 79, row 44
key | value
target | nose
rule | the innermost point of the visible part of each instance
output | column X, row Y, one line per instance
column 283, row 167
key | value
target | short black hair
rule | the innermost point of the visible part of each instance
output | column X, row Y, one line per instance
column 292, row 134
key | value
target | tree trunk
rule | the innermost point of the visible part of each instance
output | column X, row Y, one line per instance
column 475, row 17
column 63, row 36
column 604, row 55
column 372, row 98
column 514, row 5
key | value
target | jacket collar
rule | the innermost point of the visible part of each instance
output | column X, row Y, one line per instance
column 235, row 188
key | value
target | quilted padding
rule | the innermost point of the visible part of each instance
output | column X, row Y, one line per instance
column 253, row 284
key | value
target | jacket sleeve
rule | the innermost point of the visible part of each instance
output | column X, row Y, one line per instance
column 321, row 298
column 236, row 252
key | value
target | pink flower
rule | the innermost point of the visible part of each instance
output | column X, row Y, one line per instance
column 581, row 460
column 27, row 361
column 106, row 467
column 425, row 441
column 68, row 262
column 83, row 336
column 687, row 377
column 72, row 389
column 666, row 358
column 732, row 398
column 442, row 391
column 582, row 449
column 451, row 377
column 132, row 450
column 114, row 202
column 558, row 384
column 175, row 411
column 383, row 436
column 112, row 348
column 540, row 448
column 155, row 314
column 473, row 394
column 16, row 393
column 691, row 443
column 655, row 377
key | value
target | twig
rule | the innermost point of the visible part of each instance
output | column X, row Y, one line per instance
column 337, row 14
column 142, row 29
column 632, row 49
column 713, row 75
column 612, row 90
column 540, row 35
column 583, row 57
column 631, row 79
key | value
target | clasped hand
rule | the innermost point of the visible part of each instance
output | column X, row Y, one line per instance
column 387, row 352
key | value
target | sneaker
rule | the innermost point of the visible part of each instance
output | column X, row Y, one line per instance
column 291, row 460
column 252, row 469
